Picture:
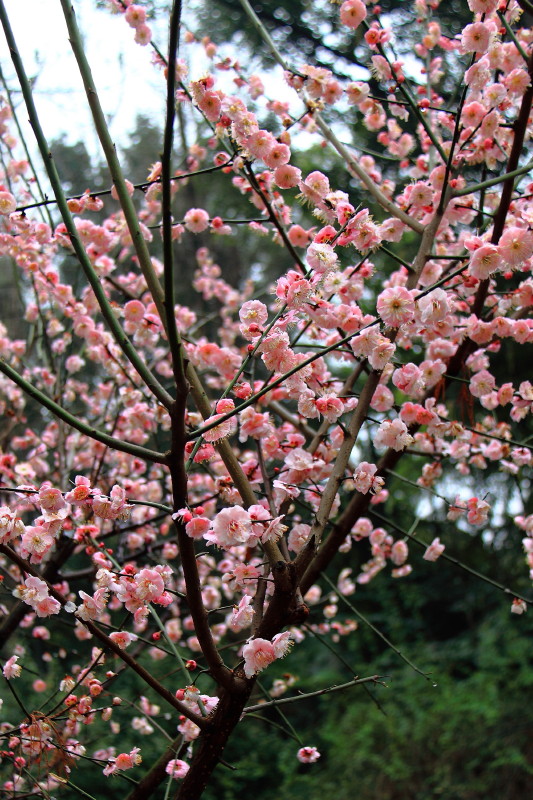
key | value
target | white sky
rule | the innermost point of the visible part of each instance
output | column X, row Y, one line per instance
column 126, row 81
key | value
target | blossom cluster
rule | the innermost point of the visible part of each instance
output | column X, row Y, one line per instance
column 174, row 495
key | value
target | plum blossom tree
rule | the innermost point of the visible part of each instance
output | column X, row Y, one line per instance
column 174, row 496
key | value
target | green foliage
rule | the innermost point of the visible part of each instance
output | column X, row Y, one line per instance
column 462, row 734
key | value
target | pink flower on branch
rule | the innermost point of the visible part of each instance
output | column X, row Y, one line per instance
column 177, row 768
column 123, row 761
column 92, row 607
column 483, row 6
column 135, row 15
column 396, row 306
column 8, row 204
column 307, row 755
column 196, row 220
column 11, row 669
column 242, row 615
column 366, row 480
column 35, row 593
column 230, row 527
column 259, row 653
column 11, row 526
column 434, row 551
column 123, row 638
column 52, row 504
column 478, row 511
column 485, row 261
column 112, row 507
column 393, row 434
column 515, row 246
column 352, row 13
column 476, row 38
column 226, row 427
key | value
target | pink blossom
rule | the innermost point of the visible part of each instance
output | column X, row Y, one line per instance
column 282, row 643
column 11, row 668
column 484, row 261
column 478, row 511
column 321, row 257
column 11, row 525
column 393, row 434
column 34, row 592
column 315, row 187
column 211, row 105
column 298, row 236
column 92, row 607
column 220, row 431
column 277, row 156
column 478, row 75
column 135, row 15
column 457, row 508
column 226, row 427
column 408, row 379
column 258, row 426
column 143, row 35
column 399, row 552
column 434, row 550
column 197, row 527
column 365, row 479
column 381, row 354
column 82, row 492
column 516, row 82
column 196, row 220
column 257, row 654
column 381, row 69
column 253, row 311
column 242, row 615
column 274, row 530
column 230, row 527
column 52, row 503
column 294, row 289
column 123, row 761
column 352, row 13
column 74, row 364
column 330, row 407
column 432, row 372
column 260, row 143
column 475, row 38
column 177, row 768
column 396, row 306
column 8, row 204
column 515, row 246
column 258, row 514
column 242, row 575
column 300, row 462
column 298, row 536
column 518, row 606
column 146, row 587
column 382, row 399
column 483, row 6
column 287, row 177
column 482, row 383
column 123, row 638
column 307, row 755
column 433, row 307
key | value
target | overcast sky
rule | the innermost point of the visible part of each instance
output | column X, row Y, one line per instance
column 126, row 81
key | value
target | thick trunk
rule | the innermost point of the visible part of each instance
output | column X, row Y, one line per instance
column 211, row 744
